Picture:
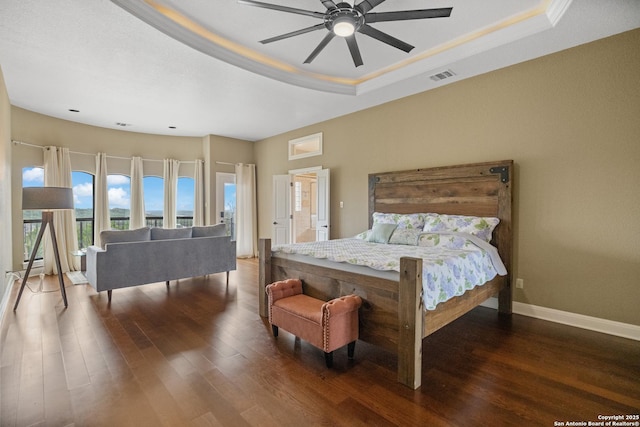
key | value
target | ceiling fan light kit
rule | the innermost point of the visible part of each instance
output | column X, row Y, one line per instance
column 344, row 20
column 343, row 27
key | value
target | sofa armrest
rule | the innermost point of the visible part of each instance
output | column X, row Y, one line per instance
column 92, row 264
column 341, row 305
column 283, row 289
column 340, row 321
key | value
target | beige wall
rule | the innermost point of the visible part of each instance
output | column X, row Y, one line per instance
column 6, row 261
column 38, row 129
column 220, row 152
column 569, row 120
column 571, row 123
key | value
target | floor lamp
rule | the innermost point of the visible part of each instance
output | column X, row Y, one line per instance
column 46, row 199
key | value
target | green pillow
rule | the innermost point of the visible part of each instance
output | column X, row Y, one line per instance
column 380, row 233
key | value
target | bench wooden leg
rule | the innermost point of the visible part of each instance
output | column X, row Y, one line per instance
column 351, row 348
column 328, row 358
column 109, row 292
column 274, row 328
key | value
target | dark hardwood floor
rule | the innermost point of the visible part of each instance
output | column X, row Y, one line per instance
column 198, row 354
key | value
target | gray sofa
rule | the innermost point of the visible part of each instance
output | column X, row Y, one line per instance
column 149, row 255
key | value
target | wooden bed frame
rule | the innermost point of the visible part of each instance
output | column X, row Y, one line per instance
column 392, row 314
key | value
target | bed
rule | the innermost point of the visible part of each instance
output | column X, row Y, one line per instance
column 392, row 315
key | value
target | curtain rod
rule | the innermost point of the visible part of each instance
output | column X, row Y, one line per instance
column 89, row 154
column 230, row 164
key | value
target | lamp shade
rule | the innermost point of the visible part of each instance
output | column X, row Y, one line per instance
column 47, row 198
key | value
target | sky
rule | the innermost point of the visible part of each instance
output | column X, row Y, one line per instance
column 119, row 190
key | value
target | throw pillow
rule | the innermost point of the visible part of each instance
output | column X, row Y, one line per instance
column 158, row 233
column 380, row 233
column 120, row 236
column 209, row 231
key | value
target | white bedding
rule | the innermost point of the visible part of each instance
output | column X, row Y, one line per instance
column 452, row 262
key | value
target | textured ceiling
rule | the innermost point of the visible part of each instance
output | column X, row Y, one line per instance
column 114, row 67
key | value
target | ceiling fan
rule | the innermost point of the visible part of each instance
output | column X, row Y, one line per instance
column 344, row 20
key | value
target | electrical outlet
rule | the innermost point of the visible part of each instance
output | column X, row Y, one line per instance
column 520, row 283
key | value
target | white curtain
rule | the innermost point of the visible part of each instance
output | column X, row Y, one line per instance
column 57, row 173
column 102, row 218
column 198, row 197
column 246, row 218
column 170, row 192
column 136, row 216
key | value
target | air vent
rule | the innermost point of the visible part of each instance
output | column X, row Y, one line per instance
column 124, row 125
column 442, row 75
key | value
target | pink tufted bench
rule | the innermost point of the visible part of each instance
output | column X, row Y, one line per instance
column 326, row 325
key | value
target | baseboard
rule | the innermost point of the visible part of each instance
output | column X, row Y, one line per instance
column 5, row 299
column 605, row 326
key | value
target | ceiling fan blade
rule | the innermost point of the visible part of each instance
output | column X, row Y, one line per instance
column 325, row 41
column 366, row 5
column 355, row 51
column 329, row 4
column 385, row 38
column 293, row 33
column 282, row 8
column 403, row 15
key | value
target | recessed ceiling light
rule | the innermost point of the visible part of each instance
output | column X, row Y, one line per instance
column 73, row 110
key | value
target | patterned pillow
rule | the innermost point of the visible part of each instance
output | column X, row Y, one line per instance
column 410, row 221
column 405, row 236
column 481, row 227
column 450, row 241
column 362, row 236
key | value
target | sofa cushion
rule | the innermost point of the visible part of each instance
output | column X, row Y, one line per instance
column 158, row 233
column 119, row 236
column 210, row 231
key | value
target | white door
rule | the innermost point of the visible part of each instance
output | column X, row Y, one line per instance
column 322, row 202
column 281, row 228
column 226, row 201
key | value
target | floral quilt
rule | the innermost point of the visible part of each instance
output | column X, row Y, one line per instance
column 452, row 262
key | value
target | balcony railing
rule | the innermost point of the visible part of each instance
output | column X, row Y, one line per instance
column 31, row 228
column 122, row 223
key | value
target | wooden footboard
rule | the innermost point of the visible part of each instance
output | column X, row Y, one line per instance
column 391, row 315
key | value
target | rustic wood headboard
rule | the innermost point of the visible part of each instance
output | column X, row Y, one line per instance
column 479, row 189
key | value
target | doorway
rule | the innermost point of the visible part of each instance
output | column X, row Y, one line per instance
column 305, row 212
column 301, row 206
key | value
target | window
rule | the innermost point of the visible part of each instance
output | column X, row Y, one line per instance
column 298, row 196
column 119, row 190
column 185, row 203
column 32, row 220
column 153, row 188
column 307, row 146
column 83, row 201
